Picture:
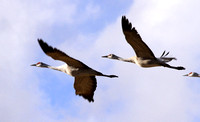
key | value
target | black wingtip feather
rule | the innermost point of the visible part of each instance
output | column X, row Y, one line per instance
column 126, row 25
column 87, row 97
column 45, row 47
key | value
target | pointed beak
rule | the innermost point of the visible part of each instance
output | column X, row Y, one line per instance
column 185, row 75
column 104, row 56
column 33, row 65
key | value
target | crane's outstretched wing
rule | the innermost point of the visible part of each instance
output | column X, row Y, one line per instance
column 134, row 39
column 85, row 87
column 59, row 55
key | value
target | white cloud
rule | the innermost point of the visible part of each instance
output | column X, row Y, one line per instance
column 21, row 97
column 156, row 94
column 139, row 94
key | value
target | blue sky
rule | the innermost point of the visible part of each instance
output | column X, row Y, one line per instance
column 86, row 31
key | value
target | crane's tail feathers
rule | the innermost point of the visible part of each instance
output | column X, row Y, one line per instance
column 167, row 59
column 164, row 54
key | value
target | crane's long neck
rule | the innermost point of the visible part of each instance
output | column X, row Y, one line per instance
column 128, row 60
column 62, row 68
column 54, row 68
column 58, row 68
column 125, row 60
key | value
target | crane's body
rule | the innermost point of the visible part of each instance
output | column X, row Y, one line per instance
column 72, row 71
column 144, row 56
column 142, row 62
column 85, row 82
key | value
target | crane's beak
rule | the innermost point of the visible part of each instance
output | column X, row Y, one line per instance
column 104, row 56
column 33, row 65
column 185, row 75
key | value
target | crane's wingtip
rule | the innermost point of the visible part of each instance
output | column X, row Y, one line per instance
column 92, row 100
column 40, row 40
column 123, row 16
column 126, row 25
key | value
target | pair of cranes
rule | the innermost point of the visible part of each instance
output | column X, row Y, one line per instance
column 85, row 82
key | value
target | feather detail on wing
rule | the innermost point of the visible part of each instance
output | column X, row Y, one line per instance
column 85, row 87
column 59, row 55
column 134, row 39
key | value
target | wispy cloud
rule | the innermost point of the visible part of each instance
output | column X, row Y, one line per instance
column 139, row 94
column 21, row 97
column 157, row 94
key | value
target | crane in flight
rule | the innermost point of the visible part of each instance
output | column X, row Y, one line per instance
column 85, row 82
column 144, row 56
column 192, row 74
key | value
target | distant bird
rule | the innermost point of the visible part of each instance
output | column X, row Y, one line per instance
column 192, row 74
column 144, row 56
column 85, row 82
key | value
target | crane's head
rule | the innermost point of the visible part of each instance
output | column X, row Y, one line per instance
column 40, row 64
column 192, row 74
column 111, row 56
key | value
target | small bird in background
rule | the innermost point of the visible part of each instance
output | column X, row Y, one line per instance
column 144, row 56
column 85, row 82
column 192, row 74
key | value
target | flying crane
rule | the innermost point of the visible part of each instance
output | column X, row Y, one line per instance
column 85, row 82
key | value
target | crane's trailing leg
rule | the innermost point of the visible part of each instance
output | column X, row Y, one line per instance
column 173, row 67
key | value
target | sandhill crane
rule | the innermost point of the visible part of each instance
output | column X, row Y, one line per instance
column 144, row 56
column 192, row 74
column 85, row 82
